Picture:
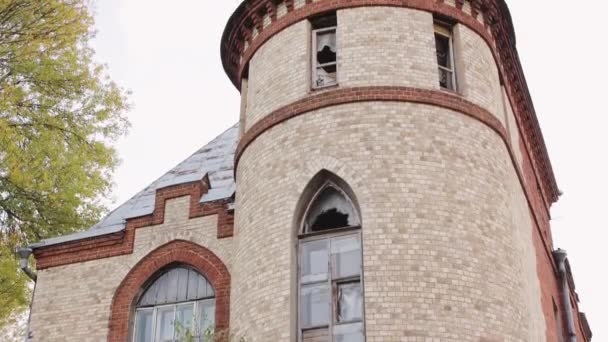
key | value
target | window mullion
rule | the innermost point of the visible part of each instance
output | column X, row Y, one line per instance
column 153, row 334
column 174, row 320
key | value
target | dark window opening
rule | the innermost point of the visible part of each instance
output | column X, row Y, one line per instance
column 330, row 219
column 324, row 51
column 331, row 209
column 327, row 20
column 326, row 55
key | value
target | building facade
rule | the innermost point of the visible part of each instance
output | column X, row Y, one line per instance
column 387, row 181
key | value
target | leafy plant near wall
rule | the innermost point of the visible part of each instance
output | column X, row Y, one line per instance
column 59, row 115
column 186, row 334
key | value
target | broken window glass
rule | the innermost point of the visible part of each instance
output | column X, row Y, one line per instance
column 345, row 257
column 443, row 46
column 330, row 209
column 350, row 302
column 315, row 261
column 329, row 262
column 325, row 57
column 314, row 305
column 324, row 53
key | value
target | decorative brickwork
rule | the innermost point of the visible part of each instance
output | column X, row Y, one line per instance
column 122, row 242
column 366, row 94
column 489, row 18
column 175, row 252
column 83, row 292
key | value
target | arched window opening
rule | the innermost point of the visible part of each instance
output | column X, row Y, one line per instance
column 330, row 209
column 331, row 303
column 179, row 304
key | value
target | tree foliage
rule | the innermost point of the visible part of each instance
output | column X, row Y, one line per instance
column 59, row 115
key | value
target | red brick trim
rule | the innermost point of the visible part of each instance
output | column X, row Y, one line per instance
column 121, row 243
column 175, row 252
column 497, row 30
column 366, row 94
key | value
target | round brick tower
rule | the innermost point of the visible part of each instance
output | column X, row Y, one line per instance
column 419, row 112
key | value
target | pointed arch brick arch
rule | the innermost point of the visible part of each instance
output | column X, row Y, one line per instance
column 177, row 251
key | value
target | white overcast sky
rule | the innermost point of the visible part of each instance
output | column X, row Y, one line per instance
column 167, row 53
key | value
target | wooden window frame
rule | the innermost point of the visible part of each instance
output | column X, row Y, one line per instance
column 332, row 283
column 313, row 53
column 446, row 30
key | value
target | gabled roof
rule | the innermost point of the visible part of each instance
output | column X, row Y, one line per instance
column 215, row 160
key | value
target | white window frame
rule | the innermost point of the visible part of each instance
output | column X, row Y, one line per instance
column 333, row 283
column 445, row 30
column 154, row 309
column 315, row 64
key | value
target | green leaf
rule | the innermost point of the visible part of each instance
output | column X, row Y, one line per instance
column 59, row 117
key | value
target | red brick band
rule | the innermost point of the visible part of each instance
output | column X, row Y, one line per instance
column 175, row 252
column 366, row 94
column 121, row 243
column 496, row 29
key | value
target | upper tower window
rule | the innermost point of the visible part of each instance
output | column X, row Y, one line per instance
column 180, row 303
column 445, row 56
column 330, row 272
column 324, row 52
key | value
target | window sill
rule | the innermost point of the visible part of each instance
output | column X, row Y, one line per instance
column 323, row 88
column 451, row 91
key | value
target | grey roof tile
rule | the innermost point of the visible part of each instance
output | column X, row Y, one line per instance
column 216, row 160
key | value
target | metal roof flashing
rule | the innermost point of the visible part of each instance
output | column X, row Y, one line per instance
column 215, row 160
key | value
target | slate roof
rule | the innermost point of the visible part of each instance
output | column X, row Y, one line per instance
column 216, row 160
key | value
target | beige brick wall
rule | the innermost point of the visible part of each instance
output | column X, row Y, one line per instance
column 477, row 74
column 447, row 237
column 513, row 130
column 386, row 46
column 72, row 303
column 394, row 47
column 278, row 72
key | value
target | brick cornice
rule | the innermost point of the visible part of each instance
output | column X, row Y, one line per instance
column 496, row 29
column 175, row 252
column 122, row 243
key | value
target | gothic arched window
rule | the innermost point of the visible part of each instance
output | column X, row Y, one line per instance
column 329, row 269
column 179, row 303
